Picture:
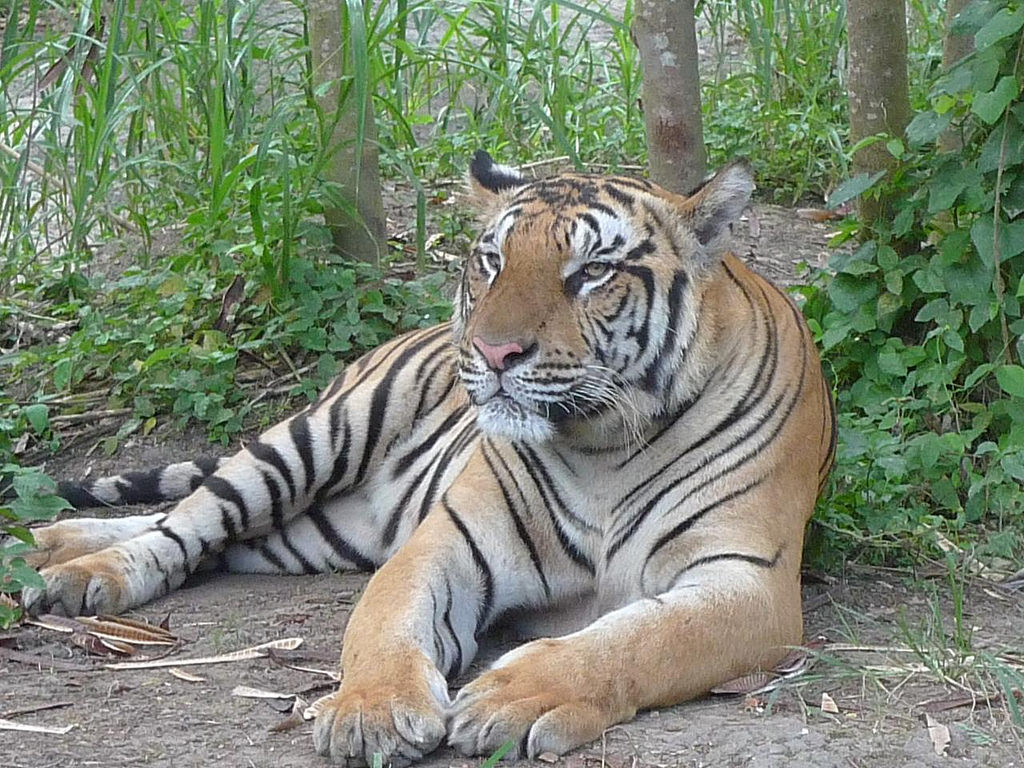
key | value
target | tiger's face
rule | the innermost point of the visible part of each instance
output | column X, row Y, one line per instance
column 581, row 297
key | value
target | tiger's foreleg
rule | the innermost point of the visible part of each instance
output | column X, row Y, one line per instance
column 416, row 625
column 552, row 695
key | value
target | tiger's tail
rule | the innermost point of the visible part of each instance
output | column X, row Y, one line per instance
column 151, row 486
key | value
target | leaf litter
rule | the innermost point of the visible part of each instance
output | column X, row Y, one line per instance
column 105, row 635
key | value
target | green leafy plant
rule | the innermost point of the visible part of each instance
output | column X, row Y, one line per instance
column 26, row 496
column 922, row 326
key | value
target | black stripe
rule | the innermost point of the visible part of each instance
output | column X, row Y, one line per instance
column 176, row 539
column 380, row 399
column 646, row 276
column 760, row 562
column 467, row 434
column 225, row 491
column 397, row 514
column 568, row 547
column 426, row 382
column 338, row 542
column 653, row 375
column 684, row 525
column 227, row 522
column 534, row 465
column 207, row 465
column 298, row 428
column 487, row 598
column 439, row 654
column 402, row 464
column 271, row 557
column 305, row 564
column 276, row 512
column 620, row 197
column 268, row 454
column 340, row 465
column 521, row 531
column 456, row 665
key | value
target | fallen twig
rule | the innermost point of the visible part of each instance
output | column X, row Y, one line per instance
column 246, row 654
column 38, row 708
column 77, row 418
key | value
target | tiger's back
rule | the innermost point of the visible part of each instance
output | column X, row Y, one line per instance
column 623, row 427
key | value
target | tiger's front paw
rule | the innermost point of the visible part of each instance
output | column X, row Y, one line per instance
column 87, row 585
column 401, row 721
column 543, row 697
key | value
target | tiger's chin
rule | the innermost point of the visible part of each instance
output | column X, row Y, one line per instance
column 504, row 417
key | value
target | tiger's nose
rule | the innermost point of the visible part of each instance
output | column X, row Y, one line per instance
column 500, row 356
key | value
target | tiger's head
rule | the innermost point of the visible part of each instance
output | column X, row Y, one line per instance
column 580, row 302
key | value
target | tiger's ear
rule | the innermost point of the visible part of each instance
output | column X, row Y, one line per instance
column 716, row 204
column 489, row 181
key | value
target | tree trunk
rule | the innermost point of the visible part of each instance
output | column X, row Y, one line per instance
column 358, row 232
column 665, row 34
column 954, row 48
column 878, row 91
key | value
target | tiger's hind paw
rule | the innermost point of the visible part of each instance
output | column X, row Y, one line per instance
column 87, row 585
column 68, row 540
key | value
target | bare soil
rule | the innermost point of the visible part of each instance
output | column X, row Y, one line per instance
column 881, row 691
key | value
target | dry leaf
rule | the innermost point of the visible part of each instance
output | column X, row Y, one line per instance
column 234, row 294
column 753, row 704
column 10, row 725
column 939, row 734
column 278, row 657
column 55, row 623
column 188, row 677
column 817, row 214
column 246, row 654
column 100, row 646
column 137, row 632
column 548, row 757
column 934, row 706
column 747, row 684
column 828, row 704
column 295, row 719
column 117, row 646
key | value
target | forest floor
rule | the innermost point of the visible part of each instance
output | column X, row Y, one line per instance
column 912, row 659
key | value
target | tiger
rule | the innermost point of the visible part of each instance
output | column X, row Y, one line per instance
column 613, row 447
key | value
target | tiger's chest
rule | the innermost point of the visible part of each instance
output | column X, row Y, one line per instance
column 603, row 508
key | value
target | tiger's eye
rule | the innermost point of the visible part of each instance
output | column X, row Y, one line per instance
column 596, row 269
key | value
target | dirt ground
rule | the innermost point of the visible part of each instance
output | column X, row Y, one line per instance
column 152, row 718
column 888, row 665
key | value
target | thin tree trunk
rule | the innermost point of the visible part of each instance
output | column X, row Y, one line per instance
column 954, row 48
column 359, row 232
column 665, row 34
column 878, row 90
